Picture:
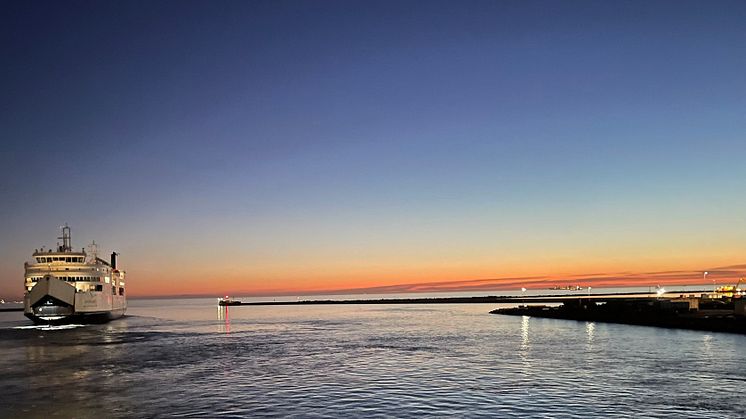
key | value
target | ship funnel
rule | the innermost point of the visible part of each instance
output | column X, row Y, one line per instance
column 114, row 260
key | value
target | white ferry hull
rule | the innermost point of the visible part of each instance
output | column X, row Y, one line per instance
column 52, row 301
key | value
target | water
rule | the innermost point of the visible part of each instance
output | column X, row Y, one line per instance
column 188, row 358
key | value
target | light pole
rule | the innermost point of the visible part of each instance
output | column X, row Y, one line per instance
column 704, row 278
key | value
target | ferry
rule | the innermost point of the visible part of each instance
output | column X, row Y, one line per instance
column 65, row 286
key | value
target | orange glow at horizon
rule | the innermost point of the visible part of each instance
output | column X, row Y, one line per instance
column 311, row 262
column 441, row 279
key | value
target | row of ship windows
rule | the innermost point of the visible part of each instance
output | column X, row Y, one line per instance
column 60, row 259
column 97, row 288
column 71, row 278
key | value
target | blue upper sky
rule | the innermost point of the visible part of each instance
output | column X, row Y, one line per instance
column 387, row 137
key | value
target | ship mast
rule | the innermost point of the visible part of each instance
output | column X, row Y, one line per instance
column 66, row 240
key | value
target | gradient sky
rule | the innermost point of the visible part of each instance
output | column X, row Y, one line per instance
column 261, row 147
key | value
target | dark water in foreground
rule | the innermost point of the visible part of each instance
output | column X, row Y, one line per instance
column 186, row 358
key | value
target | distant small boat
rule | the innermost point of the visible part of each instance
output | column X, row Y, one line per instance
column 227, row 301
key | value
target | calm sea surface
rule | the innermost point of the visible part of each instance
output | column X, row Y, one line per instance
column 188, row 358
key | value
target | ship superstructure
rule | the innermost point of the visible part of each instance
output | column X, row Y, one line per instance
column 64, row 286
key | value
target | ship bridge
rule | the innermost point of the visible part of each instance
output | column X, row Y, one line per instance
column 86, row 271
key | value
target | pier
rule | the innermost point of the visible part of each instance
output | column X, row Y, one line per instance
column 710, row 312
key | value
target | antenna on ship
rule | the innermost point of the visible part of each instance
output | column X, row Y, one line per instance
column 66, row 240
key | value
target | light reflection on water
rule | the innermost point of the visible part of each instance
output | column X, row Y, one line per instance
column 224, row 320
column 172, row 358
column 49, row 327
column 590, row 330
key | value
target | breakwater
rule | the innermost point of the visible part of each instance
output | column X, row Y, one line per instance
column 501, row 299
column 9, row 309
column 697, row 313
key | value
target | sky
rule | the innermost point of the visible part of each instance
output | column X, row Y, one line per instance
column 297, row 147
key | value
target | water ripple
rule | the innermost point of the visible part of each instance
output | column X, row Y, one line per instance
column 372, row 362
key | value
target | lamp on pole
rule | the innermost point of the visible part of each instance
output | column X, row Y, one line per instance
column 704, row 278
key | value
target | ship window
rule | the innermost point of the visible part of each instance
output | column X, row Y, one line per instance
column 99, row 288
column 121, row 291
